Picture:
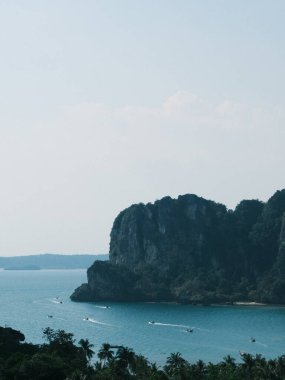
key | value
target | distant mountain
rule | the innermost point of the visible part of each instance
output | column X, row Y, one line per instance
column 193, row 250
column 49, row 261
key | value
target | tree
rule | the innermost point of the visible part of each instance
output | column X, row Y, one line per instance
column 141, row 368
column 10, row 339
column 176, row 365
column 42, row 366
column 87, row 348
column 105, row 353
column 62, row 344
column 126, row 357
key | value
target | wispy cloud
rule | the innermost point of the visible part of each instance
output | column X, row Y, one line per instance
column 63, row 182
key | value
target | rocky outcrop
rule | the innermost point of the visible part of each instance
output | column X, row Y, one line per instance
column 190, row 250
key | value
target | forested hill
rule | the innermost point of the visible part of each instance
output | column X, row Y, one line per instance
column 194, row 250
column 50, row 261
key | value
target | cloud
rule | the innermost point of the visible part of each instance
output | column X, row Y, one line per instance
column 182, row 100
column 64, row 181
column 230, row 108
column 185, row 132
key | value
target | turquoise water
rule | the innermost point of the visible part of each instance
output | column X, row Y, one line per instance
column 28, row 297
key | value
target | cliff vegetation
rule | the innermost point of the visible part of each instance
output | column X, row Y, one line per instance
column 193, row 250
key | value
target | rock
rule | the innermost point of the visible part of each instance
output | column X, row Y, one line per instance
column 190, row 249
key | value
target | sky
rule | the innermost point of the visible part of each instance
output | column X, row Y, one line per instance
column 107, row 103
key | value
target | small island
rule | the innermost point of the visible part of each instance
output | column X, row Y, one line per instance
column 49, row 261
column 193, row 250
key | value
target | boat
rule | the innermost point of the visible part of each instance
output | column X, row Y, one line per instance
column 151, row 322
column 190, row 330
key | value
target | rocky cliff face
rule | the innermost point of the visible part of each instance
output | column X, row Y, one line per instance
column 190, row 250
column 167, row 235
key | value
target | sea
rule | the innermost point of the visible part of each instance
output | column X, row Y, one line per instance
column 35, row 299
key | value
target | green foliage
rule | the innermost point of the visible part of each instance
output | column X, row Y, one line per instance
column 43, row 366
column 10, row 339
column 105, row 354
column 87, row 348
column 50, row 362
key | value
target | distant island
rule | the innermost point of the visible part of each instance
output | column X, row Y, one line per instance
column 193, row 250
column 49, row 261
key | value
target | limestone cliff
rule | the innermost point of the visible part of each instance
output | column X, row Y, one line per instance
column 190, row 250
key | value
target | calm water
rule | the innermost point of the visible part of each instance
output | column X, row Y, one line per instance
column 28, row 297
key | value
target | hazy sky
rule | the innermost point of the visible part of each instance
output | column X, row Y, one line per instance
column 108, row 103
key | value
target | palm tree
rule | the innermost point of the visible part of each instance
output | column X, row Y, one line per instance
column 229, row 360
column 199, row 369
column 225, row 369
column 248, row 360
column 105, row 353
column 126, row 357
column 87, row 348
column 262, row 367
column 141, row 368
column 175, row 364
column 247, row 366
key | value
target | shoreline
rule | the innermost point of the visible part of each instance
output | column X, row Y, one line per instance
column 227, row 304
column 244, row 303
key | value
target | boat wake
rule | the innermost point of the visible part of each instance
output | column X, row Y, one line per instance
column 261, row 344
column 91, row 320
column 187, row 327
column 55, row 300
column 199, row 328
column 168, row 324
column 102, row 307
